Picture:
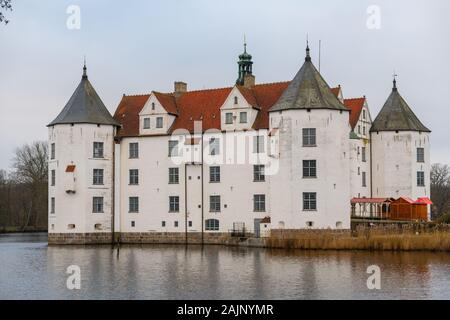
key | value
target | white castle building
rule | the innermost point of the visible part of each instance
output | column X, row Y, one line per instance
column 257, row 157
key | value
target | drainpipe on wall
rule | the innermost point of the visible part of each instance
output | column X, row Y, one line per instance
column 185, row 204
column 202, row 168
column 371, row 165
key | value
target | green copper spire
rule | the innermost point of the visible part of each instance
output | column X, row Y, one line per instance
column 245, row 64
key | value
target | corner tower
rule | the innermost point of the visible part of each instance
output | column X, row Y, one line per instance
column 311, row 189
column 400, row 151
column 81, row 144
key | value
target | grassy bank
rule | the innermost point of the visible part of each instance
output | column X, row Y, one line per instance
column 437, row 241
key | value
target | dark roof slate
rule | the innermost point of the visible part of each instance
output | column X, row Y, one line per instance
column 396, row 115
column 308, row 90
column 85, row 106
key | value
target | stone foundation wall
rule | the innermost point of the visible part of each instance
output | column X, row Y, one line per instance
column 79, row 238
column 176, row 238
column 192, row 238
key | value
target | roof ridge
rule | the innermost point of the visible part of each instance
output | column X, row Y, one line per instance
column 210, row 89
column 354, row 98
column 136, row 95
column 270, row 83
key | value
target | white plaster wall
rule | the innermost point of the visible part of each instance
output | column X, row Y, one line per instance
column 236, row 187
column 356, row 188
column 395, row 164
column 331, row 185
column 74, row 146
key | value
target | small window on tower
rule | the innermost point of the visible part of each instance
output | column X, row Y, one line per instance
column 98, row 177
column 52, row 153
column 420, row 179
column 53, row 178
column 98, row 149
column 97, row 204
column 309, row 137
column 420, row 155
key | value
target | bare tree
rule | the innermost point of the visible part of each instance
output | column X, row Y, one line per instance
column 440, row 188
column 31, row 167
column 5, row 5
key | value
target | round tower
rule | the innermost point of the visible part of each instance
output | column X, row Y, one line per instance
column 311, row 189
column 400, row 151
column 81, row 149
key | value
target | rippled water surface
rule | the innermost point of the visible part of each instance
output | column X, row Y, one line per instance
column 29, row 269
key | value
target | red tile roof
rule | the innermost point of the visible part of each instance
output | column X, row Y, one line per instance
column 168, row 102
column 127, row 113
column 336, row 90
column 201, row 105
column 355, row 106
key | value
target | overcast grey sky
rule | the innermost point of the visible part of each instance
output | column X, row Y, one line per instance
column 138, row 46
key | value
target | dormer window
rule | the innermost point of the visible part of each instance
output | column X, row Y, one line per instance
column 236, row 100
column 229, row 118
column 159, row 122
column 243, row 117
column 146, row 123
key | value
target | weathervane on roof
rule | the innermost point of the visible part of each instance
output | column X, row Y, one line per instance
column 394, row 81
column 84, row 68
column 245, row 43
column 308, row 57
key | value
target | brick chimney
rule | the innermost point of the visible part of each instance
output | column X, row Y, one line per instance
column 180, row 88
column 249, row 80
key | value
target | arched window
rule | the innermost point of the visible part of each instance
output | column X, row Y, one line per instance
column 212, row 225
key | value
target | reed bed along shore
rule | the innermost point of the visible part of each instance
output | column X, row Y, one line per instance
column 376, row 239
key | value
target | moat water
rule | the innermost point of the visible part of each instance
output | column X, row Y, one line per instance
column 29, row 269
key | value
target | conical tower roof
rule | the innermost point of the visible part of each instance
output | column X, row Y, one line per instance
column 396, row 115
column 308, row 90
column 85, row 106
